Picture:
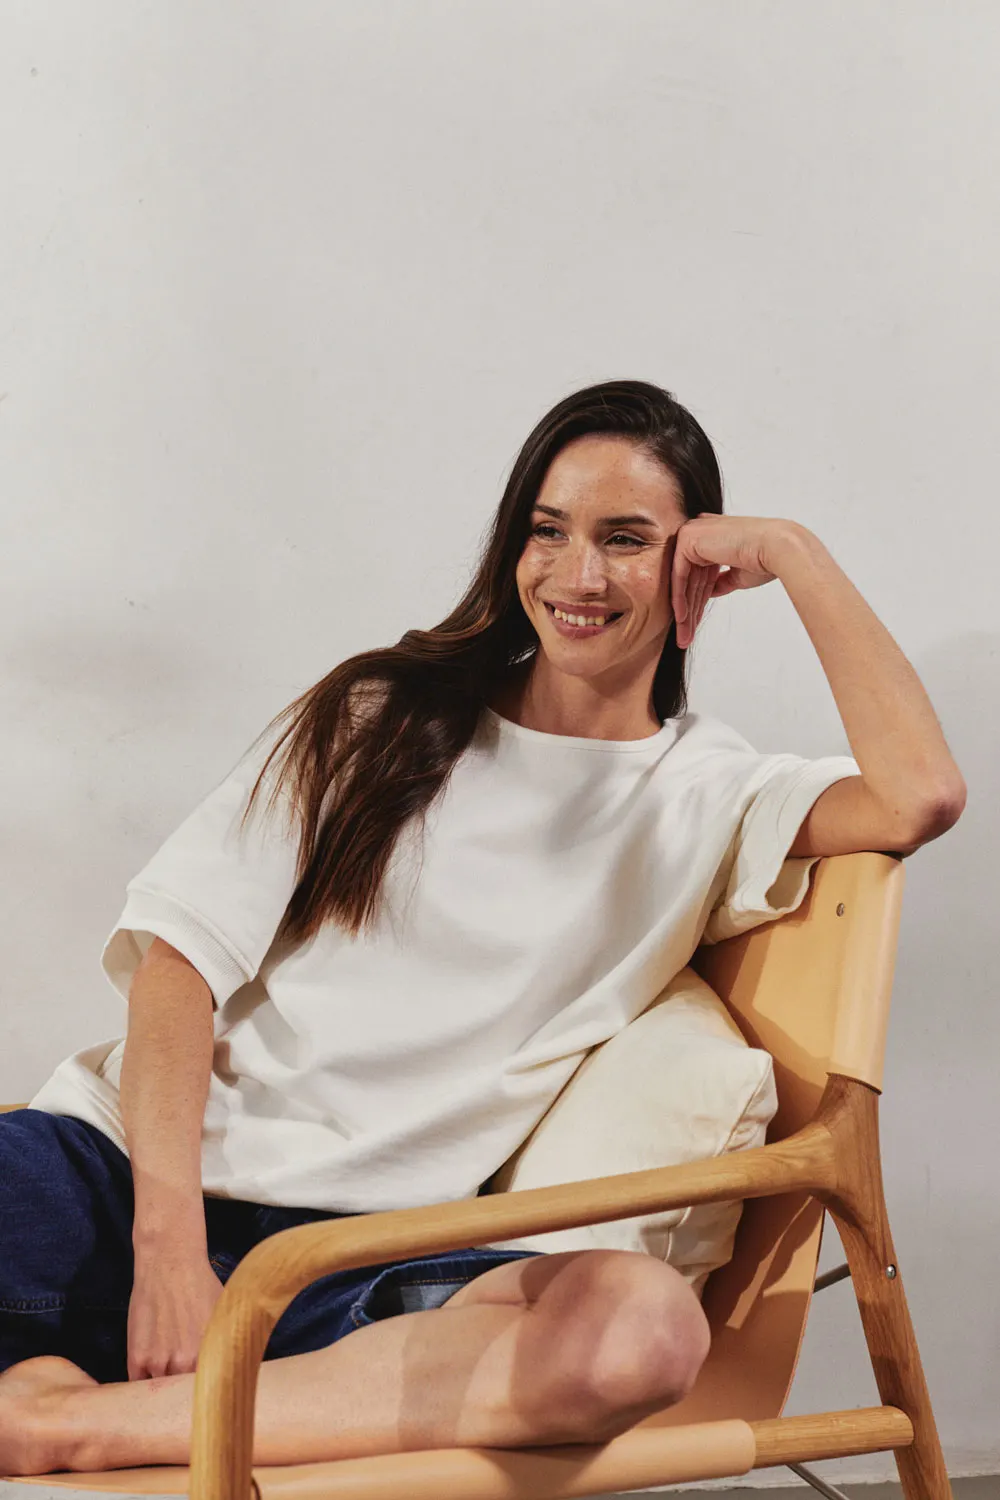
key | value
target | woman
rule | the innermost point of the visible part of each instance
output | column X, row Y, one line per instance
column 462, row 862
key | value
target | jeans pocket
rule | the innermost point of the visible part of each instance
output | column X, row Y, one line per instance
column 422, row 1296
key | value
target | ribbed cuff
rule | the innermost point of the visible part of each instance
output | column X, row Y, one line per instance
column 150, row 914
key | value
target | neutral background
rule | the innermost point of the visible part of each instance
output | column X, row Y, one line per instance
column 285, row 290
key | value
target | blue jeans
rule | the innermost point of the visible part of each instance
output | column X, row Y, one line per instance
column 66, row 1266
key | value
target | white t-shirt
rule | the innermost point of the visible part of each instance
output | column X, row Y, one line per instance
column 562, row 883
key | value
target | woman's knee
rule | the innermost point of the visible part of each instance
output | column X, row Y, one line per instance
column 630, row 1333
column 657, row 1344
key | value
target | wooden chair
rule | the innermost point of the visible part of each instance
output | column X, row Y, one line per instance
column 813, row 989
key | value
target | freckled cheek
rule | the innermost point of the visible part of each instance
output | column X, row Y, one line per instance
column 530, row 573
column 647, row 580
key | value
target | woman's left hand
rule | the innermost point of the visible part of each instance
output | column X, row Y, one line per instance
column 744, row 545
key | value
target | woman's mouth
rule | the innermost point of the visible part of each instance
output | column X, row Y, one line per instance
column 593, row 622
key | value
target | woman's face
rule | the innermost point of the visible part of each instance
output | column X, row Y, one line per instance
column 600, row 543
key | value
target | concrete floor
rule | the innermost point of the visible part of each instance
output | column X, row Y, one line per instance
column 985, row 1488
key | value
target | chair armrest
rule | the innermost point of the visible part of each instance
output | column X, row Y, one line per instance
column 282, row 1265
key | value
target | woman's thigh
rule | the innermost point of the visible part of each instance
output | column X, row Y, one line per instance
column 66, row 1209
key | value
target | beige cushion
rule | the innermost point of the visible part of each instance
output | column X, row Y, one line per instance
column 678, row 1084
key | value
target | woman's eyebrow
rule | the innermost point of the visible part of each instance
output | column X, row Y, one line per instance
column 562, row 515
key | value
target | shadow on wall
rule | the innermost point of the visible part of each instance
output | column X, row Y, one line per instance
column 958, row 917
column 945, row 1030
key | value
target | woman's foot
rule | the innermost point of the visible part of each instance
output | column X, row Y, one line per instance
column 35, row 1437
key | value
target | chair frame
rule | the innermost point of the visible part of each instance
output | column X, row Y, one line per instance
column 830, row 1163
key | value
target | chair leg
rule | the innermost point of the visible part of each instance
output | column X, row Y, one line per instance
column 858, row 1210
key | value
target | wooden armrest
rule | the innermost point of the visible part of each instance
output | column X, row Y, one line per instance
column 280, row 1267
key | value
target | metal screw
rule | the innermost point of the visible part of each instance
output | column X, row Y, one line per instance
column 890, row 1272
column 840, row 909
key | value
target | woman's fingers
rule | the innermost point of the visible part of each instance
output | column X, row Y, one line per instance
column 700, row 592
column 704, row 586
column 711, row 579
column 679, row 576
column 692, row 586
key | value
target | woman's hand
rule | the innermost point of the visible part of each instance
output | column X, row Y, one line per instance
column 173, row 1295
column 744, row 545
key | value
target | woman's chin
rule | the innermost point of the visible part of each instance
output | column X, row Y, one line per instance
column 572, row 662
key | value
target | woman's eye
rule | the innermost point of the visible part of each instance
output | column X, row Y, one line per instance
column 545, row 528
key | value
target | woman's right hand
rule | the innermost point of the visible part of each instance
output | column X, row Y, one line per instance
column 173, row 1295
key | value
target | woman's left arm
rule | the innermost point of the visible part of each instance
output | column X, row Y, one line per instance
column 910, row 789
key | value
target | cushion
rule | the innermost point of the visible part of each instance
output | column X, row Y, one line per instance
column 678, row 1084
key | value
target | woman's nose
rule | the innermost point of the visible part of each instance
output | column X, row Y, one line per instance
column 586, row 566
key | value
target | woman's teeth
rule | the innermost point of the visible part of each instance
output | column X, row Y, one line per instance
column 581, row 619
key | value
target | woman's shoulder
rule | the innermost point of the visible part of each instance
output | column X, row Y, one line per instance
column 702, row 734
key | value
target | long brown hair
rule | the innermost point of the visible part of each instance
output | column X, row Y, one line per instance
column 371, row 744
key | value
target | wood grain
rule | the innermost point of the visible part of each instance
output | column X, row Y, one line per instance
column 857, row 1206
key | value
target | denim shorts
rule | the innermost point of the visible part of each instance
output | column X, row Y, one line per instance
column 66, row 1266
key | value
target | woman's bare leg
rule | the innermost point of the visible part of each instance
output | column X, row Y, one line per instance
column 565, row 1348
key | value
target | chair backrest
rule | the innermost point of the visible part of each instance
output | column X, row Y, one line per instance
column 813, row 989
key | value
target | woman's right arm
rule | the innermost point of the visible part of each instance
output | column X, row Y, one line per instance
column 166, row 1068
column 216, row 890
column 165, row 1075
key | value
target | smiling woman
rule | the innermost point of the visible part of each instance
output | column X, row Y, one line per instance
column 365, row 965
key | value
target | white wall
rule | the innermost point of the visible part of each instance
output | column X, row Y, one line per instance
column 287, row 288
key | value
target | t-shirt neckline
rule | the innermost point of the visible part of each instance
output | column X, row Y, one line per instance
column 583, row 742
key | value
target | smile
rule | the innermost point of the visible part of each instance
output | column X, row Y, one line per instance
column 577, row 632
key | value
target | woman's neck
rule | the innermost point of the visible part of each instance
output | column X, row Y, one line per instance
column 571, row 708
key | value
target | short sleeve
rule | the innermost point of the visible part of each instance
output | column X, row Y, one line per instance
column 216, row 890
column 761, row 881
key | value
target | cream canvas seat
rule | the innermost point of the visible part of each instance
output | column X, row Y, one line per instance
column 813, row 989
